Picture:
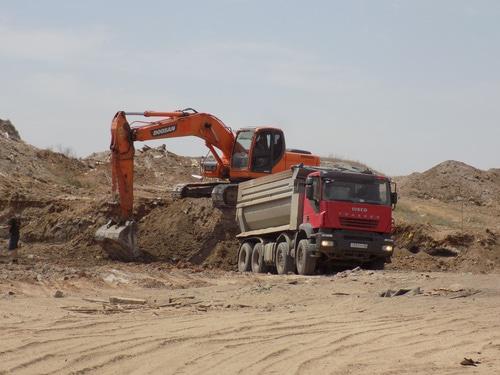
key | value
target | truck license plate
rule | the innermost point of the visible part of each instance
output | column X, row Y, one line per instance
column 359, row 245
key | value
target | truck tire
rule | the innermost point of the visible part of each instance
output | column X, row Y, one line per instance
column 305, row 263
column 244, row 257
column 257, row 260
column 284, row 262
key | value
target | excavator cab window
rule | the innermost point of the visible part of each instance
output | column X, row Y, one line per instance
column 261, row 155
column 278, row 147
column 268, row 150
column 242, row 149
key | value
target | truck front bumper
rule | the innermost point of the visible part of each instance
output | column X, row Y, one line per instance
column 349, row 245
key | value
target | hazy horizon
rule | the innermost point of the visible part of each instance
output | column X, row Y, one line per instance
column 398, row 85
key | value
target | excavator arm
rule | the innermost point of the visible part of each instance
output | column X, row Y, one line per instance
column 175, row 124
column 118, row 236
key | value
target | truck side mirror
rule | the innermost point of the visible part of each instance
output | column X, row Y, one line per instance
column 394, row 199
column 310, row 191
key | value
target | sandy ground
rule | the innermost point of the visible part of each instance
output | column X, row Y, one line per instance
column 214, row 322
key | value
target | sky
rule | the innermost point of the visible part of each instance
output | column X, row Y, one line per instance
column 399, row 85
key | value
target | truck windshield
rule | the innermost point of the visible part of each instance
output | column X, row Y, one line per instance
column 372, row 191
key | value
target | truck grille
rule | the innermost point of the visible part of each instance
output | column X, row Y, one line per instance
column 358, row 223
column 357, row 238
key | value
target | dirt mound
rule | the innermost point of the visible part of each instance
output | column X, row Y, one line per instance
column 424, row 248
column 453, row 181
column 40, row 186
column 155, row 169
column 190, row 230
column 8, row 130
column 29, row 173
column 62, row 200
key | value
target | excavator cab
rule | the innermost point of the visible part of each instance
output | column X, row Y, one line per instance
column 256, row 151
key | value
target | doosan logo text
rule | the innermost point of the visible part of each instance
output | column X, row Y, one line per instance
column 165, row 130
column 359, row 209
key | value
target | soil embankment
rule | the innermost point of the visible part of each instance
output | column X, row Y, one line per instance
column 448, row 217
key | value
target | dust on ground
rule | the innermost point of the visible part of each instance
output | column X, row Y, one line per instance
column 172, row 320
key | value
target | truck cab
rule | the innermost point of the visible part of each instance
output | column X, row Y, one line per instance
column 348, row 214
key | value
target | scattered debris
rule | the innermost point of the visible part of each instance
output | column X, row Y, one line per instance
column 260, row 288
column 179, row 298
column 58, row 294
column 95, row 300
column 465, row 293
column 455, row 291
column 455, row 288
column 443, row 252
column 241, row 305
column 400, row 292
column 127, row 301
column 469, row 362
column 105, row 309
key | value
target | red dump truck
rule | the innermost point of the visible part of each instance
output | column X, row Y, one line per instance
column 299, row 219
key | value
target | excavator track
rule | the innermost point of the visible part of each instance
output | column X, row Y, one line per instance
column 200, row 190
column 223, row 194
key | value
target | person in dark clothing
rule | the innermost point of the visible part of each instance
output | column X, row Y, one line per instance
column 14, row 233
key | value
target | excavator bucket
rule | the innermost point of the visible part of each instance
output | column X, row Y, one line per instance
column 119, row 241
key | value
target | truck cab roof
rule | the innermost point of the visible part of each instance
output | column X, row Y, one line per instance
column 343, row 172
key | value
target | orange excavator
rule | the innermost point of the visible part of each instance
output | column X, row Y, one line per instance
column 249, row 153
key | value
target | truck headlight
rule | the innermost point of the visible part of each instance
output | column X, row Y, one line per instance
column 327, row 243
column 387, row 247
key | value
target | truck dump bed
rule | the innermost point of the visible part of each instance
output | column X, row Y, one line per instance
column 272, row 203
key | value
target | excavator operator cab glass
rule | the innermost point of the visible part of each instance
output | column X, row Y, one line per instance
column 241, row 149
column 268, row 150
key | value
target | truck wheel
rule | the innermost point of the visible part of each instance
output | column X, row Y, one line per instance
column 257, row 262
column 244, row 257
column 284, row 262
column 305, row 263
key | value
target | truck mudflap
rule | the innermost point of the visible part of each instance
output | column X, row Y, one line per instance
column 347, row 245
